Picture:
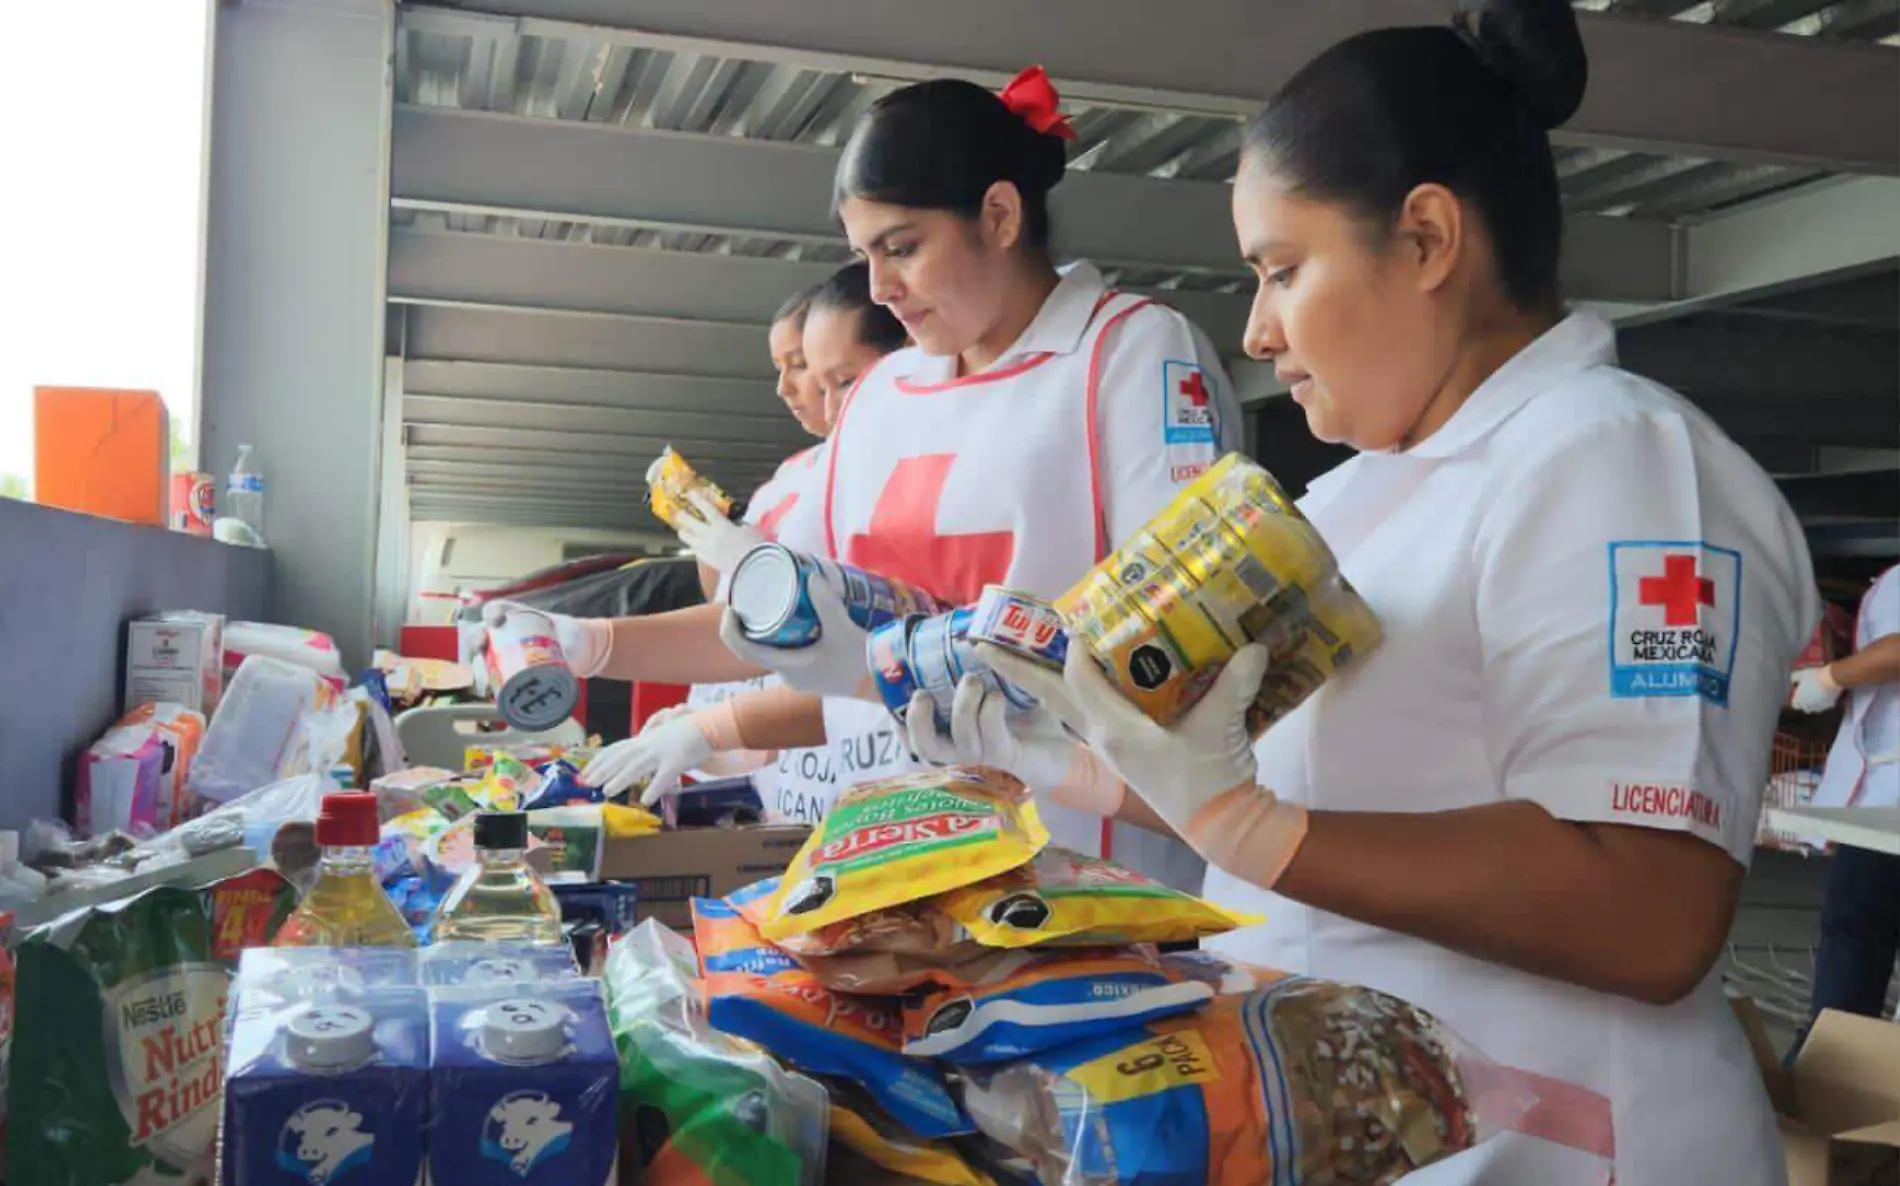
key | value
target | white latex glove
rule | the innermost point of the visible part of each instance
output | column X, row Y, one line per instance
column 1815, row 690
column 1031, row 745
column 667, row 714
column 1199, row 776
column 587, row 641
column 832, row 666
column 660, row 754
column 1177, row 771
column 714, row 538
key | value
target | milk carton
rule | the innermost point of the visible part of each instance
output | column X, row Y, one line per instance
column 523, row 1086
column 465, row 964
column 327, row 1093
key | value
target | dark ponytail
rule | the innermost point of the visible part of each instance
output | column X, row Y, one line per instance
column 941, row 145
column 796, row 307
column 849, row 291
column 1468, row 106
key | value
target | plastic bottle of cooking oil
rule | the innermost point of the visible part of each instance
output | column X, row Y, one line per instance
column 501, row 898
column 347, row 906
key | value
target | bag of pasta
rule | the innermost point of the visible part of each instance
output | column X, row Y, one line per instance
column 1300, row 1083
column 897, row 840
column 1064, row 898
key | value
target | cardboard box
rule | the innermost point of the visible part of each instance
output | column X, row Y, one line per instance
column 672, row 867
column 102, row 452
column 175, row 658
column 1840, row 1106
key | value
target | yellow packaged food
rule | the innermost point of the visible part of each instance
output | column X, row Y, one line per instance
column 670, row 479
column 1064, row 898
column 622, row 822
column 900, row 839
column 1230, row 561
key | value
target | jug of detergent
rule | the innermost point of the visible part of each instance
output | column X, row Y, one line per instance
column 523, row 1086
column 328, row 1089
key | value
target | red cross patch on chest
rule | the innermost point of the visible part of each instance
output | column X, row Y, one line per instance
column 903, row 542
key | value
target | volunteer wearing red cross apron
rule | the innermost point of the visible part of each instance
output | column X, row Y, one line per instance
column 819, row 746
column 1530, row 810
column 1040, row 417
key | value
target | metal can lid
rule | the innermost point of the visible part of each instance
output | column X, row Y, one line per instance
column 765, row 588
column 330, row 1038
column 523, row 1029
column 538, row 698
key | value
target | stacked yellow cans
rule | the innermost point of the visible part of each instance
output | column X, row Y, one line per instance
column 1230, row 561
column 670, row 480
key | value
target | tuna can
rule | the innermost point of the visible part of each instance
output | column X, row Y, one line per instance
column 1020, row 624
column 770, row 594
column 535, row 689
column 1230, row 561
column 887, row 654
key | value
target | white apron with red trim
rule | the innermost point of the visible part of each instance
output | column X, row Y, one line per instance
column 983, row 480
column 862, row 741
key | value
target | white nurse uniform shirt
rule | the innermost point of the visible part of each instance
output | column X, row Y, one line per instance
column 1863, row 766
column 1591, row 598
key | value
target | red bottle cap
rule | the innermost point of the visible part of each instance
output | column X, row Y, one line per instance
column 348, row 821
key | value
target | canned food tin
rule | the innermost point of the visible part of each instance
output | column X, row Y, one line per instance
column 770, row 595
column 1230, row 561
column 964, row 660
column 931, row 663
column 670, row 479
column 192, row 503
column 887, row 654
column 535, row 689
column 1020, row 624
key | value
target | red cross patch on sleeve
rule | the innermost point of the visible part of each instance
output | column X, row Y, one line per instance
column 1675, row 611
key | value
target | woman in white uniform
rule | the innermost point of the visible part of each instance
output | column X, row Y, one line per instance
column 1531, row 809
column 1040, row 415
column 843, row 333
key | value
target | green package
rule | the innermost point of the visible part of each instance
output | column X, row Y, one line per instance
column 118, row 1049
column 702, row 1107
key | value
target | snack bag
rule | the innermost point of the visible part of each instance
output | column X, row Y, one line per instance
column 699, row 1108
column 670, row 479
column 728, row 943
column 1068, row 899
column 864, row 1141
column 1304, row 1082
column 1037, row 1001
column 118, row 1053
column 828, row 1033
column 900, row 839
column 503, row 785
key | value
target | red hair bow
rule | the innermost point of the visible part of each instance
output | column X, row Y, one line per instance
column 1033, row 97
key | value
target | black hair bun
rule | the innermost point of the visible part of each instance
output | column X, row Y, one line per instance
column 1042, row 161
column 1534, row 46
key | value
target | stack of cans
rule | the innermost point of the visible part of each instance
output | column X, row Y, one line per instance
column 1230, row 561
column 932, row 654
column 770, row 595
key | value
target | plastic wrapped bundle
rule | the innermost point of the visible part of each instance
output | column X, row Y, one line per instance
column 698, row 1107
column 1303, row 1083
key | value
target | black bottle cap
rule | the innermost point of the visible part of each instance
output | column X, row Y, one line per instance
column 501, row 829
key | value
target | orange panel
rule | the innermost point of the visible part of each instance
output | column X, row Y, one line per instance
column 102, row 452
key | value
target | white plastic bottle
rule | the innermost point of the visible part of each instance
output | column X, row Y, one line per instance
column 244, row 493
